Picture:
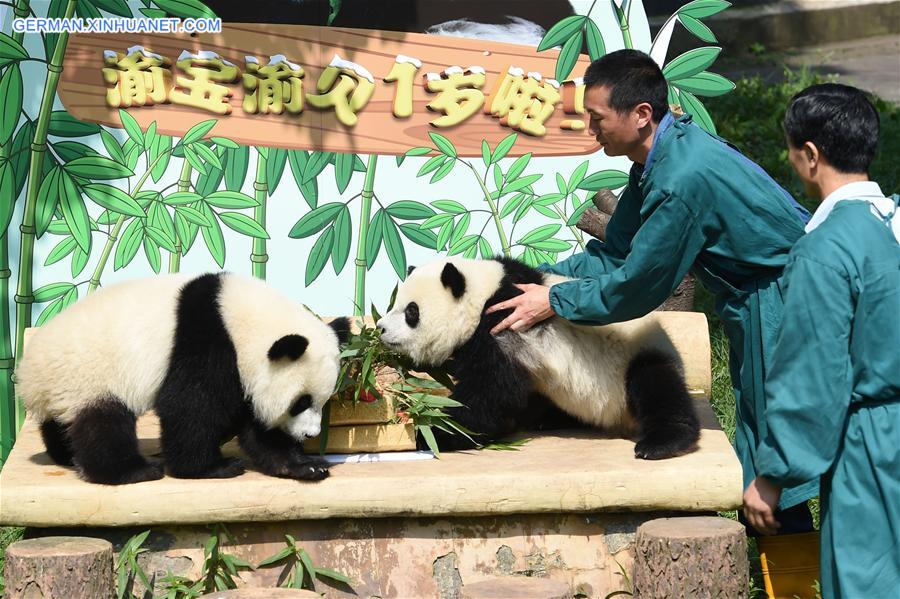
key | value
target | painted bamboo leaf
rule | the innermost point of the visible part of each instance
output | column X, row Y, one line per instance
column 697, row 27
column 49, row 312
column 151, row 250
column 56, row 10
column 409, row 210
column 232, row 200
column 212, row 235
column 160, row 220
column 8, row 202
column 113, row 198
column 161, row 148
column 552, row 245
column 63, row 124
column 112, row 145
column 131, row 127
column 443, row 235
column 243, row 224
column 51, row 291
column 128, row 244
column 20, row 157
column 460, row 228
column 196, row 132
column 74, row 211
column 700, row 9
column 443, row 171
column 195, row 160
column 61, row 250
column 424, row 238
column 485, row 153
column 576, row 178
column 224, row 142
column 463, row 244
column 11, row 92
column 181, row 198
column 187, row 230
column 185, row 8
column 315, row 165
column 315, row 221
column 437, row 220
column 504, row 147
column 150, row 135
column 71, row 150
column 523, row 209
column 485, row 248
column 576, row 215
column 79, row 261
column 275, row 168
column 236, row 162
column 209, row 182
column 690, row 63
column 86, row 10
column 608, row 179
column 706, row 84
column 318, row 255
column 160, row 240
column 695, row 108
column 299, row 159
column 511, row 205
column 568, row 56
column 562, row 31
column 97, row 167
column 191, row 215
column 596, row 47
column 393, row 245
column 443, row 144
column 498, row 176
column 343, row 170
column 450, row 206
column 373, row 238
column 116, row 7
column 540, row 234
column 521, row 183
column 672, row 99
column 431, row 164
column 343, row 233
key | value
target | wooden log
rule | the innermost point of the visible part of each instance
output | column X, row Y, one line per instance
column 606, row 201
column 593, row 222
column 69, row 567
column 519, row 587
column 693, row 558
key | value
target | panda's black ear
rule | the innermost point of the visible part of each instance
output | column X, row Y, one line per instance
column 453, row 280
column 289, row 346
column 409, row 270
column 341, row 327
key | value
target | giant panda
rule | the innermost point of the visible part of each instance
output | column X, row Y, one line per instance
column 215, row 355
column 623, row 378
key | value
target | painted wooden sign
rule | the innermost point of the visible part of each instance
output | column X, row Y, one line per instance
column 330, row 89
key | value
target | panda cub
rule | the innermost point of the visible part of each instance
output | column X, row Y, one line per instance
column 624, row 378
column 215, row 356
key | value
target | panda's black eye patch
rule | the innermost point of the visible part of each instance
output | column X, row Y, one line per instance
column 412, row 314
column 301, row 405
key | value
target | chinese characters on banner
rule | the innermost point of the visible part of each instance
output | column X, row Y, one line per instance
column 521, row 101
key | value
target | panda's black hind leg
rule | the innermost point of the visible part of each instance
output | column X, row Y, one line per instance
column 55, row 436
column 659, row 401
column 104, row 445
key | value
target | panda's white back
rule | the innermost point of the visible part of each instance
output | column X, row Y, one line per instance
column 116, row 341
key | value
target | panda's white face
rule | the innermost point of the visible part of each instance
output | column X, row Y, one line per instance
column 438, row 308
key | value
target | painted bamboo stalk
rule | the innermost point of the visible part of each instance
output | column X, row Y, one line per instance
column 24, row 293
column 184, row 184
column 495, row 214
column 259, row 257
column 368, row 193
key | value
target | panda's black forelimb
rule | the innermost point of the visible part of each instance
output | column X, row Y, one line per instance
column 104, row 445
column 276, row 453
column 659, row 401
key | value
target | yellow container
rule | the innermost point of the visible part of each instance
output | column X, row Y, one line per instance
column 790, row 565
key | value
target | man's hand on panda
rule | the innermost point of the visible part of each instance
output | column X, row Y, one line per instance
column 529, row 308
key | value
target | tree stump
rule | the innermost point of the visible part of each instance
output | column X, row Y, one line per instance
column 60, row 567
column 691, row 557
column 263, row 593
column 593, row 221
column 520, row 587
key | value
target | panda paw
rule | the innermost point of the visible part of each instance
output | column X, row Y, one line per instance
column 225, row 468
column 309, row 469
column 661, row 448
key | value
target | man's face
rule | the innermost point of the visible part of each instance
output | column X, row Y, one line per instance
column 617, row 132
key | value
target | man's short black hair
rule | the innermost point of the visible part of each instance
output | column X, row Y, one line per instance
column 840, row 120
column 632, row 78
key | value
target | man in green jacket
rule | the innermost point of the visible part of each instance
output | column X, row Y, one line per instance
column 692, row 203
column 833, row 387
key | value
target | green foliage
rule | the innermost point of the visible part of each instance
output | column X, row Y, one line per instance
column 127, row 568
column 8, row 536
column 751, row 116
column 299, row 571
